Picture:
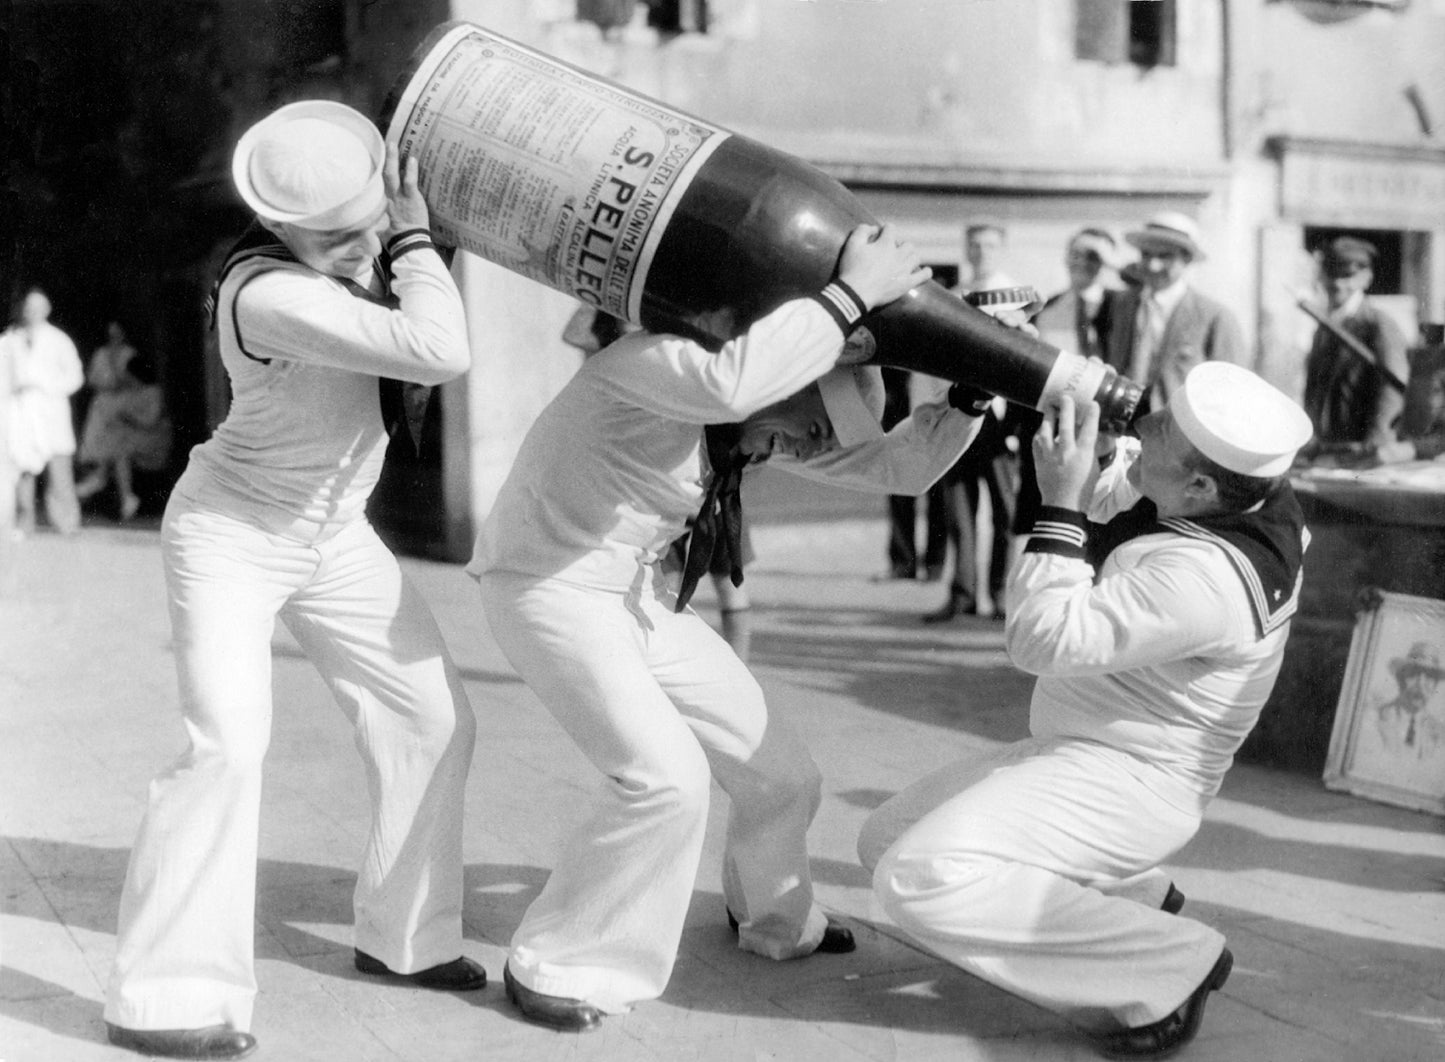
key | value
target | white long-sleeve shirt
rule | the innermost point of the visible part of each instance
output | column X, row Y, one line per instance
column 612, row 469
column 1160, row 657
column 44, row 371
column 301, row 449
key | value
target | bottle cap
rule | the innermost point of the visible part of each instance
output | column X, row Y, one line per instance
column 994, row 301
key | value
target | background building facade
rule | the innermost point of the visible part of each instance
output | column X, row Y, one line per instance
column 1275, row 123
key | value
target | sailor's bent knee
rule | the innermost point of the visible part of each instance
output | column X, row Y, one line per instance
column 910, row 885
column 679, row 785
column 775, row 791
column 445, row 725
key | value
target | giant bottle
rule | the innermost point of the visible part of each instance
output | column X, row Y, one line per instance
column 663, row 219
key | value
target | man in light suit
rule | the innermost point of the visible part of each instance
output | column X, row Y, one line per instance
column 1166, row 328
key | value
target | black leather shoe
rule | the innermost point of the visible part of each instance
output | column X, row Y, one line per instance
column 837, row 938
column 1166, row 1036
column 212, row 1042
column 459, row 975
column 555, row 1012
column 1173, row 901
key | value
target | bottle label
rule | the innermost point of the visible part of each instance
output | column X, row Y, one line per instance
column 1078, row 377
column 544, row 168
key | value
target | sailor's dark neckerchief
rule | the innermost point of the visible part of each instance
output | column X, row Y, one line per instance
column 402, row 403
column 1265, row 546
column 715, row 538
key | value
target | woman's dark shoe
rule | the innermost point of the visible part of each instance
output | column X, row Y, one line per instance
column 555, row 1012
column 459, row 975
column 212, row 1042
column 837, row 938
column 1166, row 1036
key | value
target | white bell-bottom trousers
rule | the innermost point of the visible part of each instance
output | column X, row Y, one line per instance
column 185, row 950
column 1034, row 867
column 660, row 705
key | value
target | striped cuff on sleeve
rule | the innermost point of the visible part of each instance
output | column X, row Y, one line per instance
column 842, row 304
column 406, row 241
column 1059, row 531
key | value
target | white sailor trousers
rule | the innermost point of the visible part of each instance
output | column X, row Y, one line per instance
column 660, row 704
column 1034, row 867
column 185, row 949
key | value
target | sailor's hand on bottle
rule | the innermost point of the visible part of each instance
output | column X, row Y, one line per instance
column 1019, row 319
column 1064, row 461
column 404, row 202
column 879, row 265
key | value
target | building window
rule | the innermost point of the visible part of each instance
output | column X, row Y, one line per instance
column 671, row 17
column 1141, row 32
column 668, row 17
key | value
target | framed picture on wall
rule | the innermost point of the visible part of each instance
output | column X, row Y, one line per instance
column 1388, row 741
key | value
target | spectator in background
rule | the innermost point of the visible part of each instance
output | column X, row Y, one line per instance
column 984, row 466
column 9, row 473
column 1424, row 440
column 45, row 371
column 124, row 418
column 1077, row 319
column 1346, row 397
column 1165, row 328
column 984, row 245
column 903, row 559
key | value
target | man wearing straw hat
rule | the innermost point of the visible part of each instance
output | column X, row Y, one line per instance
column 1035, row 865
column 1404, row 723
column 1165, row 328
column 335, row 287
column 570, row 566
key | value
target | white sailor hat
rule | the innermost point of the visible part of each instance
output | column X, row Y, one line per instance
column 853, row 397
column 1238, row 421
column 316, row 164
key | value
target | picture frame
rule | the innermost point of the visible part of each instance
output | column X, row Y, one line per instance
column 1388, row 738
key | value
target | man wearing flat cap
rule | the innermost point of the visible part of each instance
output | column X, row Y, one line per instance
column 571, row 566
column 1164, row 328
column 336, row 286
column 1346, row 396
column 1035, row 865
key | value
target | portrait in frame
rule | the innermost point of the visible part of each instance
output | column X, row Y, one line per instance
column 1388, row 740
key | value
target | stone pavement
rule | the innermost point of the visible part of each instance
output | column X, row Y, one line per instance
column 1333, row 905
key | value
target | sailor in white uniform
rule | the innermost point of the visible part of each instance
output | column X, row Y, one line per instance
column 337, row 286
column 1034, row 866
column 570, row 564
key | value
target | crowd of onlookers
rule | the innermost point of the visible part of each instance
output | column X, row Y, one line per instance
column 125, row 428
column 1144, row 317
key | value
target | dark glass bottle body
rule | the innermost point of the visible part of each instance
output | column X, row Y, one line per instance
column 750, row 228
